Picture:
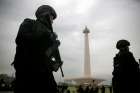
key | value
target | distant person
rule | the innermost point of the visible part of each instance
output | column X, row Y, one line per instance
column 110, row 89
column 103, row 89
column 2, row 84
column 87, row 89
column 126, row 75
column 34, row 52
column 68, row 91
column 96, row 89
column 91, row 90
column 80, row 89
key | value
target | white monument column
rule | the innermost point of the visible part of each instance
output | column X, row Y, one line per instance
column 87, row 70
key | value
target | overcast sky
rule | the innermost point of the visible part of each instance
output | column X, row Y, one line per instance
column 107, row 20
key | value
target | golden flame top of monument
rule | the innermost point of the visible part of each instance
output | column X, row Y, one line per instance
column 86, row 30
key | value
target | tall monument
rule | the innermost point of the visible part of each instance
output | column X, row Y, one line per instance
column 87, row 70
column 87, row 78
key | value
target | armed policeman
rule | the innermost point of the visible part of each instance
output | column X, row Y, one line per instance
column 37, row 45
column 126, row 75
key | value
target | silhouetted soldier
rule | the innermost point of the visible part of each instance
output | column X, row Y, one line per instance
column 126, row 76
column 36, row 46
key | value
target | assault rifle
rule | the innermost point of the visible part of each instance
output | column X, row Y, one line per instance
column 54, row 55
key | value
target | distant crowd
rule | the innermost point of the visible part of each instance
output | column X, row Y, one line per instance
column 85, row 89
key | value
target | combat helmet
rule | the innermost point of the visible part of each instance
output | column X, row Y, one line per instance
column 45, row 9
column 122, row 43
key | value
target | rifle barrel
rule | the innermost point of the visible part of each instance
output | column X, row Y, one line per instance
column 61, row 71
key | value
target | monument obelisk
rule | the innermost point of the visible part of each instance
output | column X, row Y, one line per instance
column 87, row 78
column 87, row 69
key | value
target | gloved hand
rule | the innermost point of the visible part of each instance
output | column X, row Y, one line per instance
column 56, row 65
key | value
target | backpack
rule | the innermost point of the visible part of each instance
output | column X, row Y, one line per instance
column 24, row 30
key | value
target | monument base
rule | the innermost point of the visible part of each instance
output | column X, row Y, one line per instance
column 84, row 80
